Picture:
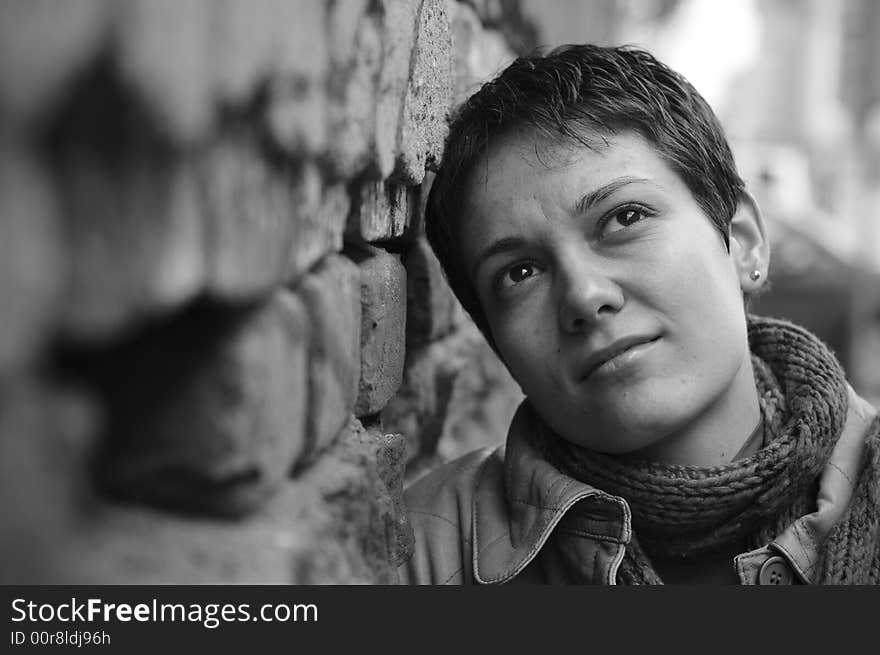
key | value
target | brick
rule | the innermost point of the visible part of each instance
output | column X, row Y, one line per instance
column 349, row 534
column 456, row 396
column 240, row 49
column 296, row 115
column 130, row 205
column 418, row 410
column 359, row 531
column 407, row 47
column 139, row 218
column 383, row 328
column 47, row 436
column 43, row 45
column 356, row 48
column 319, row 218
column 391, row 458
column 483, row 401
column 388, row 539
column 344, row 20
column 250, row 207
column 129, row 544
column 384, row 211
column 164, row 55
column 432, row 309
column 248, row 44
column 333, row 524
column 331, row 293
column 215, row 418
column 399, row 23
column 297, row 101
column 32, row 259
column 275, row 52
column 423, row 125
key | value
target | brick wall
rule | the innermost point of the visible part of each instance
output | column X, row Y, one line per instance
column 225, row 345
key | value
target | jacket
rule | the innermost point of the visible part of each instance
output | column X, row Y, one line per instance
column 506, row 515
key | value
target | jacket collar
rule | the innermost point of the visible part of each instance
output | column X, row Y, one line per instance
column 801, row 542
column 516, row 507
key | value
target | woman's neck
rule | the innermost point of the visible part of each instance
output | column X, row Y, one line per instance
column 716, row 435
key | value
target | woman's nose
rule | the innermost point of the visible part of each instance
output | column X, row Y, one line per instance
column 587, row 296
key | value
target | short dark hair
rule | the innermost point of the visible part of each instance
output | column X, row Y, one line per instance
column 573, row 92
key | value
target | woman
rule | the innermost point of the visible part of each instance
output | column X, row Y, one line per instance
column 589, row 216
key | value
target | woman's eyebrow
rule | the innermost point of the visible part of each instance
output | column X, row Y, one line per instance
column 496, row 247
column 598, row 195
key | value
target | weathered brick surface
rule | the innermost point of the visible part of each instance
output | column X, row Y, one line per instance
column 406, row 47
column 423, row 124
column 130, row 544
column 297, row 105
column 265, row 38
column 399, row 20
column 331, row 293
column 340, row 522
column 389, row 536
column 385, row 211
column 319, row 217
column 419, row 409
column 184, row 59
column 177, row 181
column 355, row 36
column 216, row 416
column 43, row 45
column 139, row 545
column 455, row 397
column 433, row 309
column 144, row 227
column 484, row 399
column 46, row 442
column 164, row 55
column 267, row 224
column 32, row 262
column 383, row 328
column 391, row 457
column 249, row 206
column 129, row 206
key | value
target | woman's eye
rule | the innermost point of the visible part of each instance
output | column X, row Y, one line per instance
column 621, row 219
column 520, row 272
column 516, row 274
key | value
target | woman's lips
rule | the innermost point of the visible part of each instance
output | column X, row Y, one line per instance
column 621, row 353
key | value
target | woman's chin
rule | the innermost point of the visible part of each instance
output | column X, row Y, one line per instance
column 628, row 424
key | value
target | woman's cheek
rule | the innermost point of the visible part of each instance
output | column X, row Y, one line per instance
column 521, row 330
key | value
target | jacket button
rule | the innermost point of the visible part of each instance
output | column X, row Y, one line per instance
column 775, row 571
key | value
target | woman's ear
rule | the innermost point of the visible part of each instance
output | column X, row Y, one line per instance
column 749, row 247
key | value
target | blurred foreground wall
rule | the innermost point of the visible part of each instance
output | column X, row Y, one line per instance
column 224, row 343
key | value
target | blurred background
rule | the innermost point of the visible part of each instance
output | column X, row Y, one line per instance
column 796, row 84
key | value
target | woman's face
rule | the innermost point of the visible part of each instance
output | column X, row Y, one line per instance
column 611, row 297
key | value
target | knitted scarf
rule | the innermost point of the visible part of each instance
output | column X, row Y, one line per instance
column 690, row 511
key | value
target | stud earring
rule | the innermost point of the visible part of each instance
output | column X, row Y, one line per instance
column 755, row 275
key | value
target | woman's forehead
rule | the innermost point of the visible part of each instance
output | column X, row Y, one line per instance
column 526, row 165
